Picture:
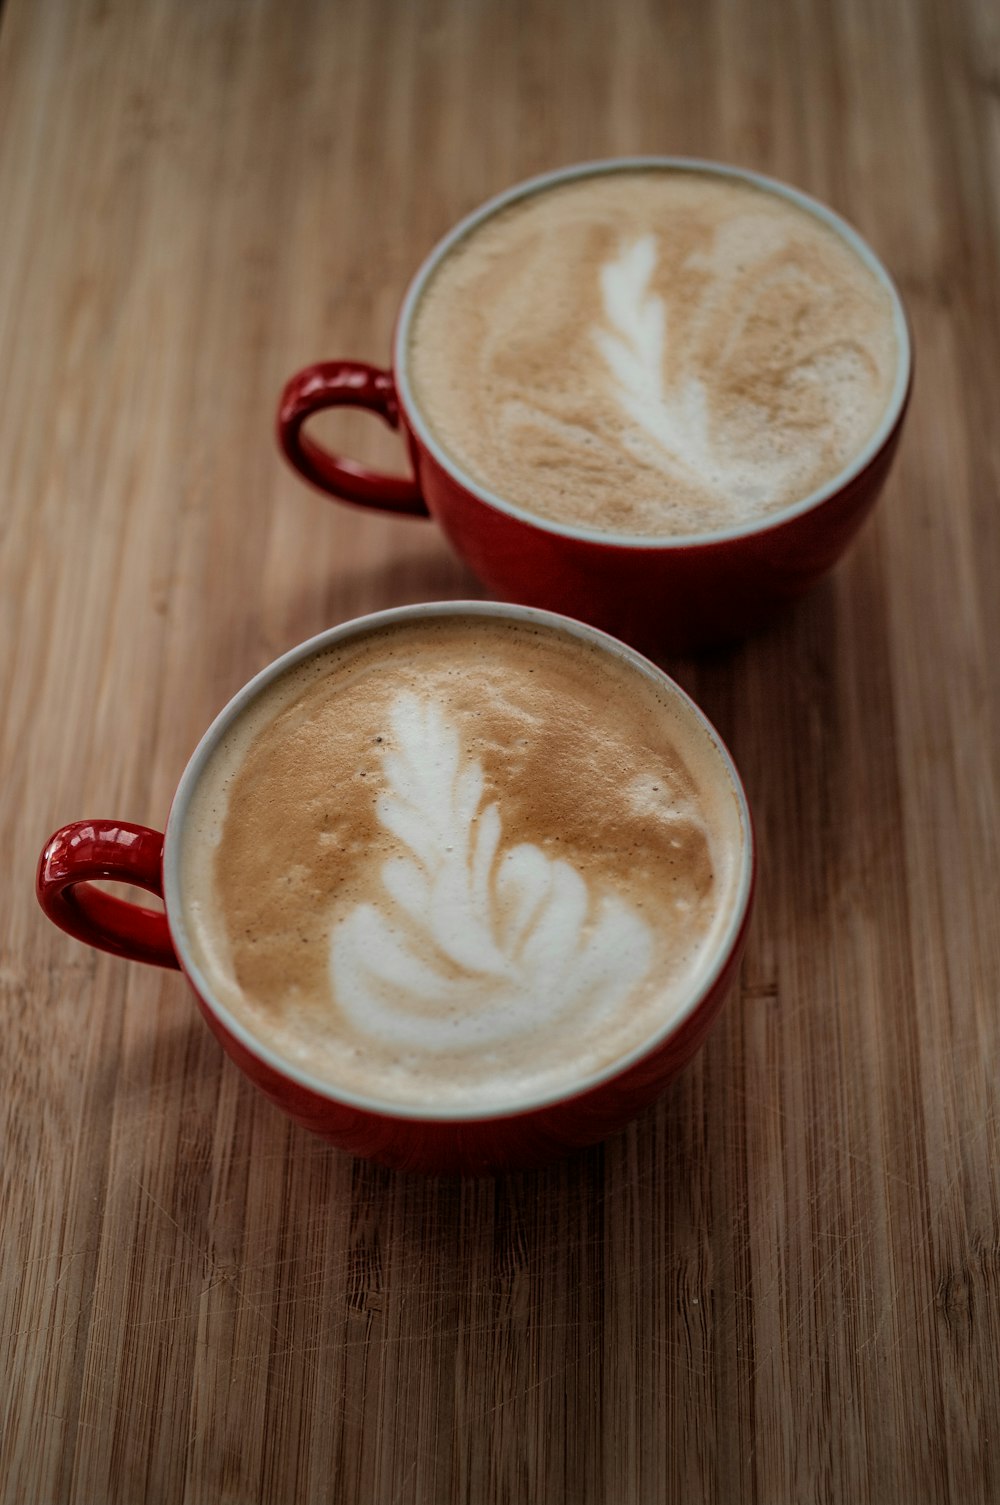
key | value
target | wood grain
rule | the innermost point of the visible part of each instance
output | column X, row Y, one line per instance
column 783, row 1283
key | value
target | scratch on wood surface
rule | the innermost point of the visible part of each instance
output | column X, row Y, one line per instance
column 224, row 1277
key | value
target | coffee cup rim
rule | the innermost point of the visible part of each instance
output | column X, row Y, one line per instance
column 358, row 627
column 595, row 168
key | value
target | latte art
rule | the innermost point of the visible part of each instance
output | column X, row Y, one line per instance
column 635, row 345
column 461, row 861
column 653, row 352
column 471, row 943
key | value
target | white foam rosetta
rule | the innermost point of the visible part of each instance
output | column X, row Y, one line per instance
column 635, row 346
column 471, row 943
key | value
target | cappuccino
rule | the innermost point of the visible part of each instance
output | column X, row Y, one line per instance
column 653, row 352
column 461, row 861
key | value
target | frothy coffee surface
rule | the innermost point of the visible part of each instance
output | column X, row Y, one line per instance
column 653, row 352
column 461, row 862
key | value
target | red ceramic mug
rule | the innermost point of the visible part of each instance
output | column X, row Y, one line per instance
column 666, row 593
column 403, row 1137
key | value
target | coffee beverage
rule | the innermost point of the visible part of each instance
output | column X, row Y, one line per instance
column 463, row 861
column 653, row 352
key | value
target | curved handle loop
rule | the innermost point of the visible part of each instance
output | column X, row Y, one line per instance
column 90, row 849
column 337, row 384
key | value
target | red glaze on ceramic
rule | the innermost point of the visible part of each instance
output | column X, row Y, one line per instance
column 334, row 384
column 669, row 593
column 406, row 1139
column 110, row 849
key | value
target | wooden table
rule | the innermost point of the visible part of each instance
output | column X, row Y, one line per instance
column 783, row 1283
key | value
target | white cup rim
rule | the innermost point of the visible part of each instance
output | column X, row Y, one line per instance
column 529, row 186
column 359, row 626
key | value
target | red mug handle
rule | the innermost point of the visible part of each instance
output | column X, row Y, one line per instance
column 106, row 849
column 338, row 384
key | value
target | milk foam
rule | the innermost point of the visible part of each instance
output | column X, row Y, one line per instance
column 472, row 943
column 463, row 862
column 653, row 352
column 634, row 344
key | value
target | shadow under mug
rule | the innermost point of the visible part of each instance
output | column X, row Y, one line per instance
column 427, row 1138
column 670, row 593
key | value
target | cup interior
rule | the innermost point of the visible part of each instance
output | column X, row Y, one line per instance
column 702, row 982
column 859, row 462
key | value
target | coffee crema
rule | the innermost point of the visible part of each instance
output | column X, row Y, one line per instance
column 653, row 352
column 462, row 861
